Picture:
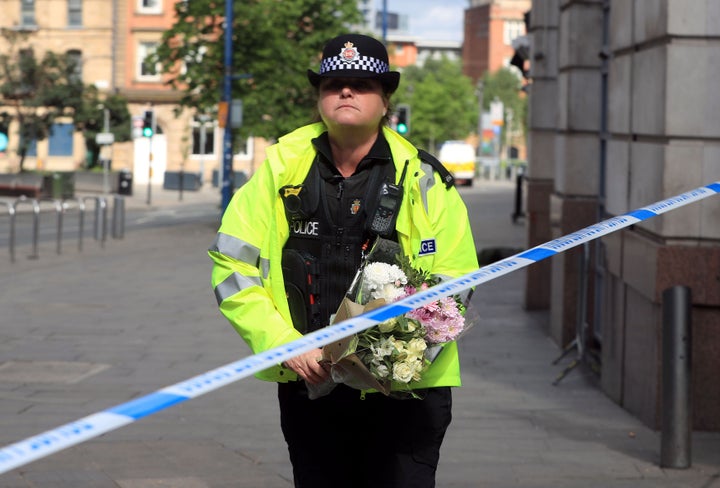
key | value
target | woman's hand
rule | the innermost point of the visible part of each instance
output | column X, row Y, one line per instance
column 310, row 367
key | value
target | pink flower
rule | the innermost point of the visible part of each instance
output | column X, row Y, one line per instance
column 441, row 319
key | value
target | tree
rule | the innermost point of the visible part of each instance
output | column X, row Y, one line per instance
column 89, row 118
column 506, row 86
column 36, row 92
column 274, row 43
column 442, row 100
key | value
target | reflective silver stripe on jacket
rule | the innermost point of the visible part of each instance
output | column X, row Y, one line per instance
column 427, row 181
column 233, row 284
column 265, row 268
column 237, row 249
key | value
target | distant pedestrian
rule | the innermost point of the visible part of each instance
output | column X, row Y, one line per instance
column 289, row 245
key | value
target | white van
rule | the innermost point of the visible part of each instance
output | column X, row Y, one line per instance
column 459, row 158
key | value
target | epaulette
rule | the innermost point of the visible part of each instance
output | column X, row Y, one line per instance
column 446, row 176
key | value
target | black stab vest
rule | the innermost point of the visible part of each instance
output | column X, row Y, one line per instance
column 326, row 242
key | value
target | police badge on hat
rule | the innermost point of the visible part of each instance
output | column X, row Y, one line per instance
column 349, row 53
column 341, row 58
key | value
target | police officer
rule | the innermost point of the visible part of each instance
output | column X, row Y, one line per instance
column 290, row 243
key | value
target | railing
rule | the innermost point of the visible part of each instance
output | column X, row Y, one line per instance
column 61, row 207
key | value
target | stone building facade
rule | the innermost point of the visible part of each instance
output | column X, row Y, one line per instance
column 624, row 113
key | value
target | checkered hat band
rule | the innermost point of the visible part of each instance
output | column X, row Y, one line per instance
column 363, row 63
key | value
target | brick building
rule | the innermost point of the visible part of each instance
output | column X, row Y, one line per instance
column 490, row 28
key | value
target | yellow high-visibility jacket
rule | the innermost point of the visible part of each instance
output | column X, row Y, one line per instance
column 247, row 274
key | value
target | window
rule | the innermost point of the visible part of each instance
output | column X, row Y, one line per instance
column 74, row 13
column 197, row 136
column 147, row 71
column 60, row 140
column 149, row 6
column 74, row 58
column 512, row 29
column 27, row 13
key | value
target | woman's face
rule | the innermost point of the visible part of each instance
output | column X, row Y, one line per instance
column 352, row 102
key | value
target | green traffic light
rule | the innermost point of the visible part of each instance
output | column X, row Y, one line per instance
column 147, row 132
column 402, row 128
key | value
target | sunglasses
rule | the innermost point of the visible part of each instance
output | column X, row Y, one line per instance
column 357, row 85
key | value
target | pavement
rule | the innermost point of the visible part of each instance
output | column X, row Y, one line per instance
column 83, row 331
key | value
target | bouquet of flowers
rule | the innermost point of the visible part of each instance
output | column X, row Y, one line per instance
column 400, row 349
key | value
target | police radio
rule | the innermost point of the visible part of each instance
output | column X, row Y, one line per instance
column 382, row 223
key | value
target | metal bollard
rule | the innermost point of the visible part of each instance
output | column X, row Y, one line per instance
column 118, row 223
column 36, row 223
column 518, row 199
column 676, row 374
column 59, row 210
column 11, row 238
column 100, row 226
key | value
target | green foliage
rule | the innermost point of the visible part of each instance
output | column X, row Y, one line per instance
column 36, row 92
column 505, row 85
column 274, row 43
column 90, row 118
column 415, row 276
column 443, row 102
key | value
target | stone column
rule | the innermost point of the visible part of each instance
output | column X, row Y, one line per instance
column 573, row 204
column 664, row 124
column 544, row 19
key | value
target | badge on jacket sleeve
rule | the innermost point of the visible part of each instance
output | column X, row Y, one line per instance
column 427, row 246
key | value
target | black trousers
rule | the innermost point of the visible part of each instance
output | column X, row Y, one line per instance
column 344, row 440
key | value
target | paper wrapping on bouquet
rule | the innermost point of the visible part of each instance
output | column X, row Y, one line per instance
column 345, row 365
column 369, row 291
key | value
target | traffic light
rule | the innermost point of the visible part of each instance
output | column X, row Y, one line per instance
column 403, row 119
column 148, row 124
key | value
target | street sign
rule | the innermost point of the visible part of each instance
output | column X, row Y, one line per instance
column 222, row 114
column 236, row 114
column 104, row 138
column 496, row 112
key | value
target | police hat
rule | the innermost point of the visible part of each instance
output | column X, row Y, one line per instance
column 356, row 56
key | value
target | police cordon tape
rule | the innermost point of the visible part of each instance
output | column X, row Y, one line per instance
column 51, row 441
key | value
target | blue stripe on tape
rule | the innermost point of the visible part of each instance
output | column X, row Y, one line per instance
column 13, row 456
column 384, row 313
column 147, row 405
column 642, row 214
column 537, row 254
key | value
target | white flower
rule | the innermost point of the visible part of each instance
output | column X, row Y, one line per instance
column 387, row 326
column 389, row 292
column 382, row 371
column 382, row 348
column 403, row 371
column 398, row 344
column 416, row 347
column 384, row 280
